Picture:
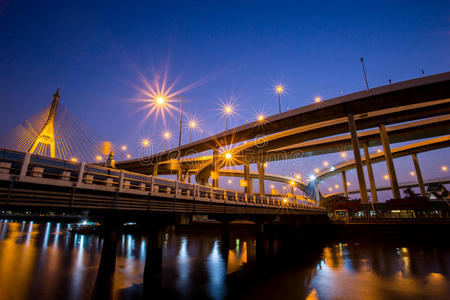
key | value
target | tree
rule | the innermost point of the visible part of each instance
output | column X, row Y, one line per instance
column 409, row 193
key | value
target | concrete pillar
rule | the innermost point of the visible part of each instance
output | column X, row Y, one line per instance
column 260, row 241
column 179, row 174
column 344, row 183
column 81, row 173
column 373, row 188
column 389, row 162
column 107, row 266
column 153, row 262
column 155, row 170
column 215, row 181
column 357, row 154
column 24, row 168
column 316, row 192
column 249, row 187
column 419, row 175
column 261, row 170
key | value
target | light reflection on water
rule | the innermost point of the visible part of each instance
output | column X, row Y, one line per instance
column 45, row 261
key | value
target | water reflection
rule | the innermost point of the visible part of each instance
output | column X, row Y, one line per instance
column 216, row 270
column 46, row 261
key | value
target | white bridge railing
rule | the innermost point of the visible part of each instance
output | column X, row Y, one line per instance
column 67, row 173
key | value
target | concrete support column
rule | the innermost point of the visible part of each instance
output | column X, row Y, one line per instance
column 419, row 175
column 373, row 188
column 261, row 170
column 344, row 183
column 316, row 192
column 389, row 162
column 81, row 173
column 107, row 266
column 215, row 181
column 249, row 187
column 25, row 163
column 357, row 154
column 179, row 174
column 155, row 170
column 260, row 241
column 153, row 262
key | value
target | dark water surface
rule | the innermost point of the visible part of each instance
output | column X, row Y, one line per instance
column 45, row 261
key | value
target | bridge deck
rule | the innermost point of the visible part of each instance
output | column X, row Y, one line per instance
column 33, row 181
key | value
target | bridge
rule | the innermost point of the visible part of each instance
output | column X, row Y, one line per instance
column 38, row 170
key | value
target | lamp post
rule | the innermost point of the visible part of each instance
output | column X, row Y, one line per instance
column 228, row 111
column 192, row 126
column 162, row 101
column 166, row 135
column 279, row 90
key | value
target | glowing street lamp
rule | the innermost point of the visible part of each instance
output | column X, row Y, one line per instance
column 128, row 155
column 124, row 148
column 279, row 90
column 411, row 173
column 160, row 100
column 166, row 136
column 343, row 154
column 145, row 142
column 386, row 177
column 74, row 159
column 228, row 156
column 444, row 168
column 228, row 110
column 325, row 163
column 192, row 126
column 98, row 158
column 317, row 99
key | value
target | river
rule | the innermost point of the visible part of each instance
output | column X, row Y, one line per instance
column 46, row 261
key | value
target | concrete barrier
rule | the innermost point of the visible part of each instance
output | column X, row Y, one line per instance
column 65, row 176
column 126, row 184
column 89, row 179
column 109, row 182
column 37, row 172
column 5, row 167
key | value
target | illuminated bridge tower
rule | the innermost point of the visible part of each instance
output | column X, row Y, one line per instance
column 47, row 134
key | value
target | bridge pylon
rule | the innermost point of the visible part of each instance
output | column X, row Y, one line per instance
column 47, row 133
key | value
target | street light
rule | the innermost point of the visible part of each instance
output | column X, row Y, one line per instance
column 444, row 168
column 160, row 100
column 228, row 110
column 317, row 99
column 279, row 89
column 124, row 148
column 192, row 126
column 228, row 156
column 166, row 136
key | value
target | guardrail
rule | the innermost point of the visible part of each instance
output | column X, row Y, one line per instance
column 25, row 166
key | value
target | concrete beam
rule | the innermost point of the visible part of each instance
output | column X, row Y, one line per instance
column 418, row 174
column 373, row 189
column 389, row 162
column 357, row 155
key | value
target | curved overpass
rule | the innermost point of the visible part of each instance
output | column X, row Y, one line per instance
column 428, row 145
column 414, row 94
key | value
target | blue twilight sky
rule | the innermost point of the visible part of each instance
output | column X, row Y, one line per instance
column 96, row 51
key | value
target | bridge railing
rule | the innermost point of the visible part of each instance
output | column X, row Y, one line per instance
column 74, row 173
